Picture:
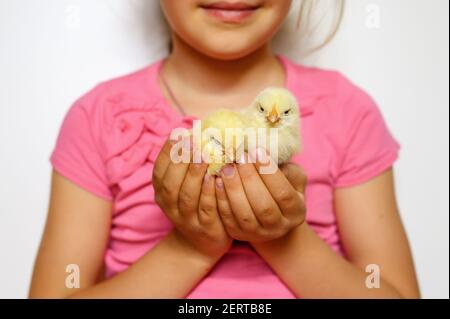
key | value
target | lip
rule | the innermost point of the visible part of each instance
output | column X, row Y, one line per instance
column 230, row 12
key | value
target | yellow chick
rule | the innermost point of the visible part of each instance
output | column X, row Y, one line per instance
column 214, row 138
column 277, row 108
column 222, row 138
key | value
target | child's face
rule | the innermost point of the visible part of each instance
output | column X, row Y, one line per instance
column 225, row 29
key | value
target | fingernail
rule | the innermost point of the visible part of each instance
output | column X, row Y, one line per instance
column 173, row 136
column 253, row 155
column 262, row 153
column 242, row 159
column 219, row 183
column 173, row 140
column 207, row 178
column 228, row 171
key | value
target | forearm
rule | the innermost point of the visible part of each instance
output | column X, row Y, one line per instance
column 170, row 270
column 313, row 270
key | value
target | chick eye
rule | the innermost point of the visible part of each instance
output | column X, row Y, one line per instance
column 287, row 112
column 261, row 109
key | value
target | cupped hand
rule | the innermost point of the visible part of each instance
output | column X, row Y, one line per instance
column 187, row 196
column 258, row 207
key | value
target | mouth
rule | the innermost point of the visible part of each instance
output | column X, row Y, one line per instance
column 230, row 12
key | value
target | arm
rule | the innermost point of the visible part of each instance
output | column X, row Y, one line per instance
column 77, row 231
column 371, row 232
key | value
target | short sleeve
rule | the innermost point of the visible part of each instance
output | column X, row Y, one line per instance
column 368, row 147
column 76, row 155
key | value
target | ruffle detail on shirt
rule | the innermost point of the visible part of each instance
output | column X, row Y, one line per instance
column 135, row 133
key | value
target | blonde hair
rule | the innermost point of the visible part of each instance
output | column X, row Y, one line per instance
column 307, row 26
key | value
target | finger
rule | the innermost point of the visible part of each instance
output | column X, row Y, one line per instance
column 224, row 208
column 284, row 194
column 238, row 200
column 171, row 184
column 207, row 210
column 161, row 164
column 190, row 190
column 296, row 176
column 265, row 208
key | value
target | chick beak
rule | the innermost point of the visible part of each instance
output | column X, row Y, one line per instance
column 273, row 116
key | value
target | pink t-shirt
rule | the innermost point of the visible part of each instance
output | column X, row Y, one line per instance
column 111, row 137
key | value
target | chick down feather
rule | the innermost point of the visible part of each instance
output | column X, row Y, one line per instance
column 225, row 132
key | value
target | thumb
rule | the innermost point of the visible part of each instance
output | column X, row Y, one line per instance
column 296, row 176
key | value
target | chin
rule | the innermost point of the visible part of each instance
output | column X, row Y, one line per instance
column 227, row 46
column 228, row 55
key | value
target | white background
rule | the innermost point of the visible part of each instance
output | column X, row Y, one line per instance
column 52, row 51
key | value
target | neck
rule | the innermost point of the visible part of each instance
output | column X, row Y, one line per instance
column 195, row 71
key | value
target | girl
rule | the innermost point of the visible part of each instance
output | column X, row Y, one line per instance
column 136, row 224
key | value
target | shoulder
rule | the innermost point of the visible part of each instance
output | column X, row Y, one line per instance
column 328, row 92
column 336, row 101
column 137, row 85
column 349, row 120
column 321, row 82
column 116, row 111
column 110, row 99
